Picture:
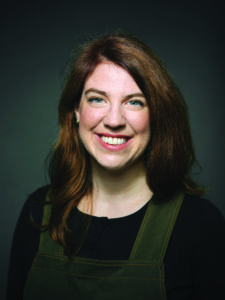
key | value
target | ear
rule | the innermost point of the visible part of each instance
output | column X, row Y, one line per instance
column 77, row 115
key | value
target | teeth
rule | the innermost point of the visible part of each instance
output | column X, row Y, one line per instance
column 113, row 141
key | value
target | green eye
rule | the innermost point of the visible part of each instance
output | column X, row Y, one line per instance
column 136, row 103
column 95, row 100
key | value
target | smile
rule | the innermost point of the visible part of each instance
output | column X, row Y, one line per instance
column 113, row 140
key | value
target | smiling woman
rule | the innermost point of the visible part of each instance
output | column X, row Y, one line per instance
column 122, row 217
column 115, row 129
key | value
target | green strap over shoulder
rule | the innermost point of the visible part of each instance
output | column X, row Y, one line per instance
column 156, row 228
column 46, row 243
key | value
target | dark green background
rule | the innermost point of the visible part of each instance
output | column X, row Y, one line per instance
column 36, row 39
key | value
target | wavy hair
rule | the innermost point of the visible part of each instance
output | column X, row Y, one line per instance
column 170, row 153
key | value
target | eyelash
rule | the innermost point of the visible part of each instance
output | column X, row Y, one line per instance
column 93, row 99
column 131, row 102
column 136, row 102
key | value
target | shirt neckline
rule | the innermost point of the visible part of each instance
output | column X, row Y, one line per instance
column 140, row 212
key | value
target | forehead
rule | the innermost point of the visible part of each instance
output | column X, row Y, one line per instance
column 108, row 76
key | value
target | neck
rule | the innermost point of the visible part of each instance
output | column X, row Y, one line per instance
column 119, row 193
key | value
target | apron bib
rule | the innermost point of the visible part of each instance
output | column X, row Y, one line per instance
column 54, row 276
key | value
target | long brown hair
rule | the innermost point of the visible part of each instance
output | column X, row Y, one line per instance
column 170, row 153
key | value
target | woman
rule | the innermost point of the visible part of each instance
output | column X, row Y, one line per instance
column 122, row 218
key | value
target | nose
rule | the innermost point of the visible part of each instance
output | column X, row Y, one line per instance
column 114, row 117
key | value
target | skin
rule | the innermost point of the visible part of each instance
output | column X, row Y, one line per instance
column 114, row 126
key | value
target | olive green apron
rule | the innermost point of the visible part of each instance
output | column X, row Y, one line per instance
column 54, row 276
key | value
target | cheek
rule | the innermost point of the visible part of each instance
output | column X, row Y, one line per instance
column 140, row 123
column 89, row 118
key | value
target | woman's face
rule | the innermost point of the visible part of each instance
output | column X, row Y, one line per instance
column 114, row 118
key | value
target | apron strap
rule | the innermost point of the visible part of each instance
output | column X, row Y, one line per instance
column 156, row 228
column 46, row 243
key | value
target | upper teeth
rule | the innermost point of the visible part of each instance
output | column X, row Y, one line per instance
column 113, row 141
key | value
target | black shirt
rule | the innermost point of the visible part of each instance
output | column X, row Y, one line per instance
column 194, row 261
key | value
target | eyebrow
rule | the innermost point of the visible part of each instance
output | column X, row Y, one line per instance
column 106, row 95
column 95, row 91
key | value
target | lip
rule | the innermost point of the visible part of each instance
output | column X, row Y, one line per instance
column 114, row 135
column 110, row 146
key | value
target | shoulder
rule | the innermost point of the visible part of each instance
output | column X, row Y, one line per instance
column 199, row 221
column 200, row 213
column 195, row 254
column 27, row 231
column 33, row 206
column 39, row 194
column 200, row 233
column 25, row 242
column 199, row 229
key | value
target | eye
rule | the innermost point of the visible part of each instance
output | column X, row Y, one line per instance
column 136, row 103
column 96, row 100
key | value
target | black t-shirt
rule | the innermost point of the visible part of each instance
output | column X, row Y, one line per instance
column 194, row 261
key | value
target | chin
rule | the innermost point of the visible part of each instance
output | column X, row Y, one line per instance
column 116, row 166
column 108, row 164
column 113, row 167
